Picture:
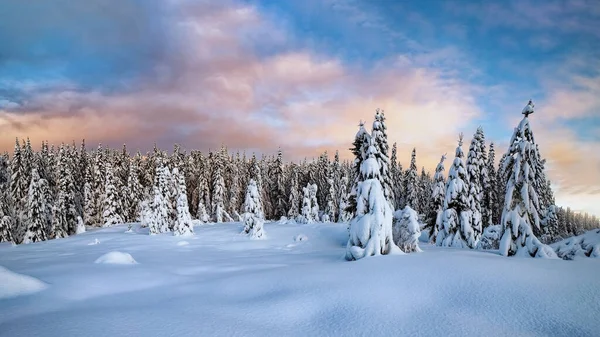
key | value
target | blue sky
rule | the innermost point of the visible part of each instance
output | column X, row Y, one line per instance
column 304, row 72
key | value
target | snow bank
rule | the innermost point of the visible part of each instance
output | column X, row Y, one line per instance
column 14, row 284
column 584, row 245
column 183, row 243
column 116, row 258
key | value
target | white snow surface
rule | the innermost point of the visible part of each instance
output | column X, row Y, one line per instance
column 13, row 284
column 581, row 246
column 116, row 258
column 223, row 284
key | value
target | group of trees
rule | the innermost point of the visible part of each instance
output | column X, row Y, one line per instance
column 53, row 192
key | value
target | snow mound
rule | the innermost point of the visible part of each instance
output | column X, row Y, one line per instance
column 116, row 258
column 14, row 284
column 584, row 245
column 300, row 237
column 95, row 242
column 183, row 243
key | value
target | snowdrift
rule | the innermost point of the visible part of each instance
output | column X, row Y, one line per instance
column 116, row 258
column 584, row 245
column 13, row 284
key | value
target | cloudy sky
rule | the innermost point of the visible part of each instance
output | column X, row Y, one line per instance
column 258, row 75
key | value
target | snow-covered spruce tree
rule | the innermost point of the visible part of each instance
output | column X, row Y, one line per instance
column 411, row 183
column 134, row 194
column 160, row 206
column 336, row 174
column 219, row 214
column 234, row 189
column 314, row 204
column 253, row 213
column 307, row 215
column 475, row 165
column 203, row 198
column 490, row 195
column 183, row 225
column 455, row 228
column 371, row 228
column 19, row 186
column 36, row 217
column 359, row 147
column 380, row 139
column 406, row 230
column 278, row 187
column 521, row 206
column 424, row 192
column 343, row 215
column 111, row 210
column 6, row 211
column 330, row 208
column 294, row 199
column 98, row 181
column 65, row 212
column 436, row 208
column 322, row 178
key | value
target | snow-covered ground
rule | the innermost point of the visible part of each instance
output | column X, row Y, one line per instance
column 220, row 283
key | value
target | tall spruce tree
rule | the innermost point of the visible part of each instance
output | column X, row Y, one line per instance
column 521, row 203
column 253, row 213
column 438, row 194
column 36, row 218
column 455, row 228
column 278, row 187
column 111, row 209
column 475, row 166
column 371, row 228
column 294, row 199
column 379, row 135
column 65, row 211
column 492, row 208
column 411, row 183
column 359, row 147
column 183, row 225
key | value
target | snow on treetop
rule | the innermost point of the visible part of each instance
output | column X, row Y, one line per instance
column 528, row 109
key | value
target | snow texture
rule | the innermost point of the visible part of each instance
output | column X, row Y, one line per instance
column 14, row 284
column 116, row 258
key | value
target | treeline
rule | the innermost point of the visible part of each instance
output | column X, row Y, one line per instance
column 54, row 192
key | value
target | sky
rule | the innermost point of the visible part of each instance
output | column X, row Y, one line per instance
column 300, row 75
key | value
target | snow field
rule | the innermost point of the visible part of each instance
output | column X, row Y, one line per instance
column 224, row 284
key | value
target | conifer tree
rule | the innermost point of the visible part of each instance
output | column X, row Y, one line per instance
column 371, row 227
column 407, row 230
column 183, row 225
column 203, row 198
column 219, row 214
column 475, row 166
column 134, row 193
column 330, row 208
column 438, row 194
column 411, row 183
column 36, row 218
column 379, row 135
column 424, row 192
column 310, row 208
column 278, row 192
column 490, row 195
column 344, row 215
column 314, row 204
column 359, row 147
column 521, row 205
column 455, row 228
column 6, row 204
column 159, row 207
column 19, row 186
column 294, row 200
column 111, row 210
column 65, row 212
column 253, row 213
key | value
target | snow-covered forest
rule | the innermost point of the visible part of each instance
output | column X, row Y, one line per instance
column 58, row 191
